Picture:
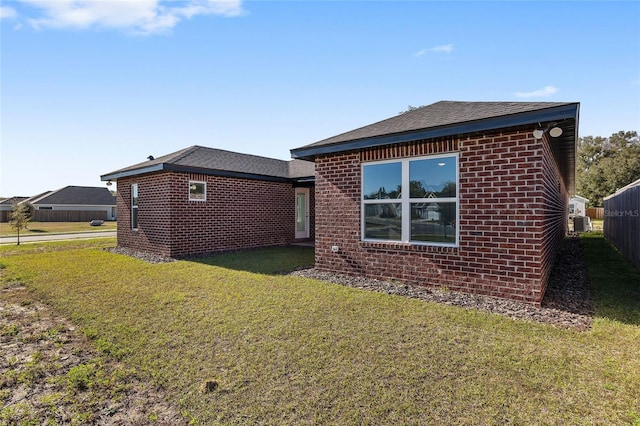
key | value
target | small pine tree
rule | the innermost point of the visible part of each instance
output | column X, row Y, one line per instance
column 19, row 217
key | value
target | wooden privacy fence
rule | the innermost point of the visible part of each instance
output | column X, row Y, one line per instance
column 61, row 215
column 622, row 221
column 595, row 212
column 68, row 215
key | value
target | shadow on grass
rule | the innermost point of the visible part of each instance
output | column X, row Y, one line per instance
column 37, row 231
column 614, row 282
column 269, row 260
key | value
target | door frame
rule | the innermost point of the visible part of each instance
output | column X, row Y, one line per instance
column 301, row 234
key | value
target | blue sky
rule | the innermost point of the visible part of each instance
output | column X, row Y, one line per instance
column 88, row 87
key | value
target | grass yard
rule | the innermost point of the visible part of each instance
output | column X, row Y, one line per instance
column 50, row 228
column 274, row 349
column 597, row 224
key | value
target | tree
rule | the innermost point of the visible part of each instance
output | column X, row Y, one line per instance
column 606, row 164
column 19, row 217
column 410, row 108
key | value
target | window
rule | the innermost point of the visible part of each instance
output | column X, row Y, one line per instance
column 197, row 191
column 134, row 206
column 425, row 189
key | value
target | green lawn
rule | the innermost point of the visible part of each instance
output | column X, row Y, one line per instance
column 291, row 350
column 50, row 228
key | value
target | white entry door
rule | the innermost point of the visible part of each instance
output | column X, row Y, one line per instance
column 302, row 213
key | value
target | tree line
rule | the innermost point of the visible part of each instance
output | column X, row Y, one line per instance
column 605, row 164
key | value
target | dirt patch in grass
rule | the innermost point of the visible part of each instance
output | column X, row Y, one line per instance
column 49, row 373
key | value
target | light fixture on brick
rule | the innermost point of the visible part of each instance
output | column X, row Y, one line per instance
column 538, row 133
column 553, row 129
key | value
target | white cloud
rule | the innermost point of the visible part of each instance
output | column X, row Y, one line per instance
column 139, row 16
column 541, row 93
column 445, row 48
column 7, row 12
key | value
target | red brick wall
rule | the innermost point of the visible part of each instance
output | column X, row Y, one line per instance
column 511, row 214
column 154, row 214
column 237, row 214
column 555, row 205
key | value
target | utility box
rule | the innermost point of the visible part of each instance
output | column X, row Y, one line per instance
column 582, row 224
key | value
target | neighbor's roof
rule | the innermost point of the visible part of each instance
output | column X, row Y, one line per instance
column 13, row 200
column 77, row 196
column 451, row 118
column 211, row 161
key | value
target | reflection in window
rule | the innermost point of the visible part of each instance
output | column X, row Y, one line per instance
column 383, row 221
column 433, row 178
column 197, row 191
column 432, row 201
column 434, row 222
column 134, row 206
column 382, row 181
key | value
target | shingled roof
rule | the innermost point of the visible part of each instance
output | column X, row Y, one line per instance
column 13, row 200
column 76, row 195
column 444, row 118
column 211, row 161
column 451, row 118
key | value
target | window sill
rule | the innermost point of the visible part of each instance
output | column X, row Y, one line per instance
column 408, row 247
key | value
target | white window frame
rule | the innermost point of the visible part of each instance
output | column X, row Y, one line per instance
column 134, row 189
column 204, row 193
column 405, row 200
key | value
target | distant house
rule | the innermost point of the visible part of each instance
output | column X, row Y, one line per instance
column 6, row 206
column 578, row 206
column 74, row 203
column 471, row 196
column 202, row 200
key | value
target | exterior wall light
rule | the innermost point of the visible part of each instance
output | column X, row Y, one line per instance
column 553, row 129
column 555, row 132
column 538, row 133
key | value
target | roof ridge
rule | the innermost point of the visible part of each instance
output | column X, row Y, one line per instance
column 179, row 155
column 44, row 195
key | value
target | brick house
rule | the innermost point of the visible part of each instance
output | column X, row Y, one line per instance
column 81, row 202
column 471, row 196
column 68, row 204
column 202, row 200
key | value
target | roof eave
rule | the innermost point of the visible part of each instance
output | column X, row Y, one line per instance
column 530, row 117
column 164, row 167
column 133, row 172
